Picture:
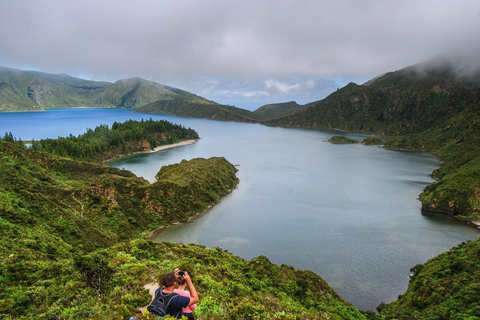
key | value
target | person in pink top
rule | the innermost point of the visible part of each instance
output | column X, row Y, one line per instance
column 181, row 283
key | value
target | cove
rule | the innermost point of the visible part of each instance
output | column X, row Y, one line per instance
column 347, row 212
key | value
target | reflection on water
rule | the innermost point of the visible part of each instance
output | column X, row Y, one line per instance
column 349, row 213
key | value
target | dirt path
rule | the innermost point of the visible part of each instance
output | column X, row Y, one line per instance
column 150, row 287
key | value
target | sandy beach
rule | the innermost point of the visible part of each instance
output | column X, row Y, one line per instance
column 179, row 144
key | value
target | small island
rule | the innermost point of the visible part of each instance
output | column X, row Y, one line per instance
column 341, row 140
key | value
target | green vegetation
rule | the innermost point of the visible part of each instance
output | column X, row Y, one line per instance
column 341, row 140
column 445, row 287
column 372, row 141
column 59, row 217
column 32, row 91
column 104, row 143
column 278, row 110
column 199, row 109
column 428, row 107
column 72, row 244
column 35, row 91
column 137, row 92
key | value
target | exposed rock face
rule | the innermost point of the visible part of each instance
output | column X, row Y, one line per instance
column 38, row 92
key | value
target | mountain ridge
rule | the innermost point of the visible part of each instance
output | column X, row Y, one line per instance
column 35, row 91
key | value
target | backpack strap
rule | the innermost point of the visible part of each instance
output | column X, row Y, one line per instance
column 166, row 298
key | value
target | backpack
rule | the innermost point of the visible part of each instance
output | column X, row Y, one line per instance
column 160, row 303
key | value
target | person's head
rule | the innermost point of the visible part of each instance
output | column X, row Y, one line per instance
column 180, row 280
column 169, row 279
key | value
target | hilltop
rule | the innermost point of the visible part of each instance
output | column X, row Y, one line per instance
column 428, row 107
column 278, row 110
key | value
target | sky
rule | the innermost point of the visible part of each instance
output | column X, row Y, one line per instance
column 244, row 53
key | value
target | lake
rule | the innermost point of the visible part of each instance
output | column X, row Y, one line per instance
column 349, row 213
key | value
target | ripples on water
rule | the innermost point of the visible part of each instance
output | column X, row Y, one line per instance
column 347, row 212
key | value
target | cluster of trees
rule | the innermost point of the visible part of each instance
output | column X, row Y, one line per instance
column 8, row 136
column 104, row 143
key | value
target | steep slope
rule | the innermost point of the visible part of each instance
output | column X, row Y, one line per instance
column 278, row 110
column 410, row 100
column 30, row 90
column 99, row 205
column 137, row 92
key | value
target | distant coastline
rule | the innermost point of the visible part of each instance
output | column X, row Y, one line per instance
column 160, row 148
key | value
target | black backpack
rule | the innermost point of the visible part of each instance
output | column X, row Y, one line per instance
column 160, row 303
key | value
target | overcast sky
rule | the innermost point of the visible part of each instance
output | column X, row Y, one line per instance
column 244, row 53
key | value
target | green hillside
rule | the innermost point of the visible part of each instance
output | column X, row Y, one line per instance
column 35, row 91
column 181, row 107
column 278, row 110
column 430, row 108
column 71, row 244
column 31, row 90
column 137, row 92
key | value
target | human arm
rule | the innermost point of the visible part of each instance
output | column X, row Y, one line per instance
column 191, row 289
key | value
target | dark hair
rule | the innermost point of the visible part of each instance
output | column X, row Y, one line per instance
column 180, row 280
column 169, row 279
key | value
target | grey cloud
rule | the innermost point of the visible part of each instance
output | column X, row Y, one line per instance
column 244, row 43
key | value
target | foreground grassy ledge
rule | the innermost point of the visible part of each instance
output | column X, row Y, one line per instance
column 72, row 244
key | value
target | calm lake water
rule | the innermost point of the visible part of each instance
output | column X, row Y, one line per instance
column 347, row 212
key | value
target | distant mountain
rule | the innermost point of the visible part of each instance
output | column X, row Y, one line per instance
column 432, row 107
column 410, row 100
column 137, row 92
column 428, row 96
column 195, row 108
column 278, row 110
column 31, row 90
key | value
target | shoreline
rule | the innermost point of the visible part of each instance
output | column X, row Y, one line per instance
column 160, row 148
column 151, row 234
column 173, row 145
